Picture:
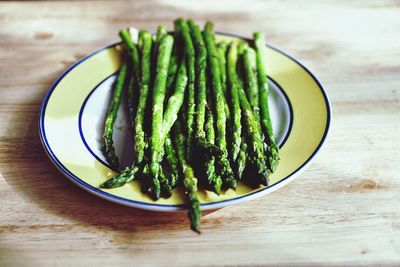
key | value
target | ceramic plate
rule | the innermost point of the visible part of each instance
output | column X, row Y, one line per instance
column 72, row 114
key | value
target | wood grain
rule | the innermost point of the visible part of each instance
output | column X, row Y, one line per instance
column 344, row 210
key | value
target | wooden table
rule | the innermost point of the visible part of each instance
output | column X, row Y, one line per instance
column 344, row 210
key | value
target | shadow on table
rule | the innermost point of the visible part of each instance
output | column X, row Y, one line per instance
column 36, row 179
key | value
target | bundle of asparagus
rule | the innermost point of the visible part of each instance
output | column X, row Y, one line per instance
column 189, row 96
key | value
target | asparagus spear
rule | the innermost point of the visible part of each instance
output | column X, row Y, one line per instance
column 156, row 144
column 143, row 74
column 173, row 106
column 175, row 101
column 254, row 135
column 172, row 161
column 126, row 36
column 161, row 32
column 125, row 176
column 108, row 146
column 189, row 180
column 213, row 178
column 173, row 67
column 222, row 48
column 200, row 86
column 190, row 60
column 132, row 95
column 200, row 71
column 212, row 56
column 249, row 66
column 148, row 185
column 241, row 161
column 166, row 189
column 235, row 103
column 170, row 115
column 144, row 78
column 273, row 150
column 134, row 83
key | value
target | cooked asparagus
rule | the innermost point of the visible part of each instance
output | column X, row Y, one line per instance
column 266, row 124
column 212, row 56
column 108, row 146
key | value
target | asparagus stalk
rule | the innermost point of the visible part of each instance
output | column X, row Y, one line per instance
column 200, row 86
column 241, row 161
column 172, row 161
column 234, row 100
column 161, row 32
column 250, row 71
column 175, row 101
column 134, row 83
column 222, row 48
column 125, row 176
column 144, row 78
column 132, row 95
column 156, row 141
column 164, row 186
column 213, row 179
column 189, row 179
column 128, row 40
column 143, row 74
column 200, row 71
column 254, row 135
column 108, row 146
column 212, row 56
column 273, row 150
column 189, row 51
column 166, row 189
column 173, row 67
column 170, row 115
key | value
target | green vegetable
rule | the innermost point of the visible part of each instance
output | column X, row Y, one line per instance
column 266, row 124
column 189, row 179
column 234, row 100
column 156, row 140
column 140, row 137
column 190, row 62
column 213, row 62
column 254, row 136
column 200, row 81
column 125, row 176
column 108, row 146
column 175, row 101
column 173, row 67
column 249, row 66
column 172, row 161
column 143, row 74
column 166, row 189
column 129, row 44
column 213, row 179
column 200, row 86
column 132, row 95
column 222, row 48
